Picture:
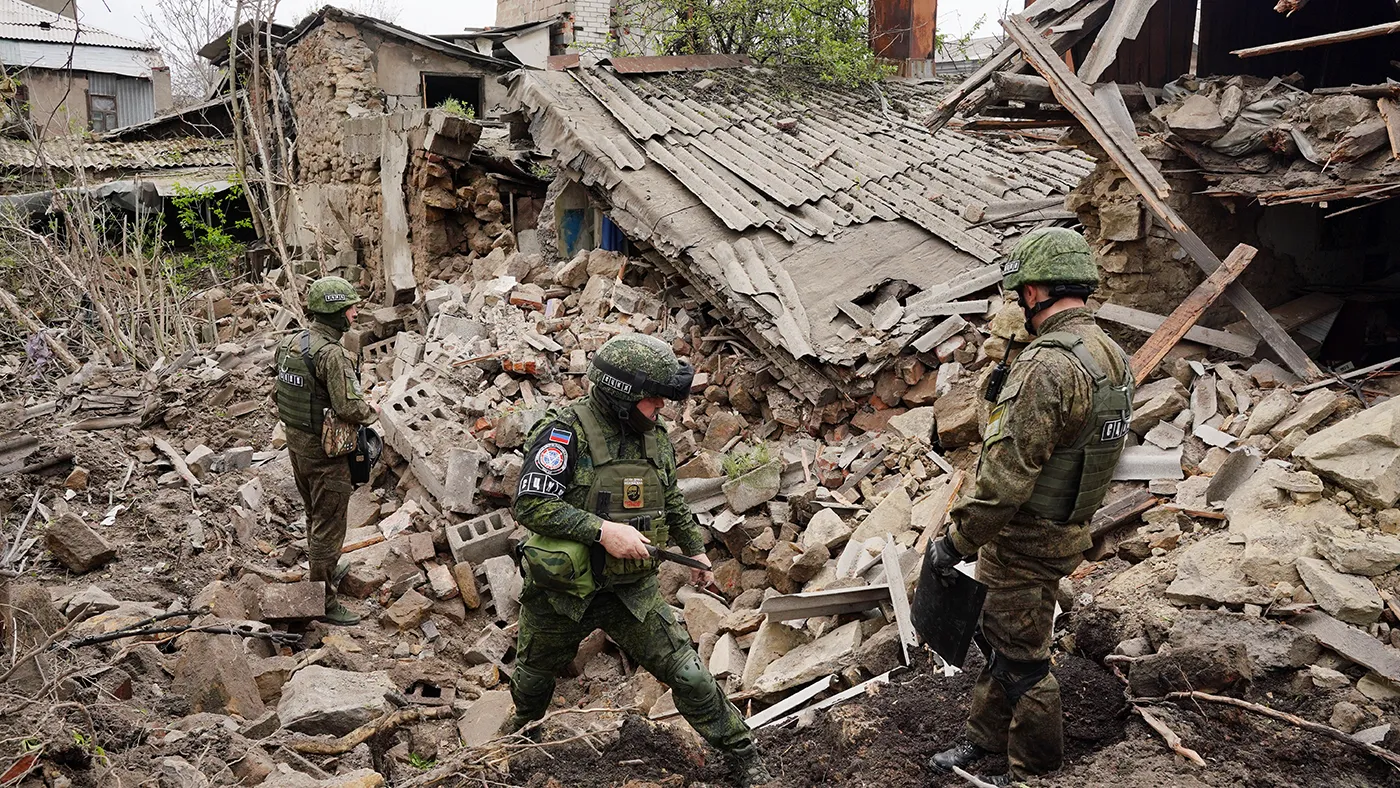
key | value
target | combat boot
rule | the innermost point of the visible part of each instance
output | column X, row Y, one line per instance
column 747, row 770
column 339, row 615
column 515, row 722
column 961, row 755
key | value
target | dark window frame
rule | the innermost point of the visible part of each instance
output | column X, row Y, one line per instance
column 440, row 92
column 109, row 117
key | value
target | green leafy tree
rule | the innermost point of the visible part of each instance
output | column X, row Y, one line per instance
column 830, row 37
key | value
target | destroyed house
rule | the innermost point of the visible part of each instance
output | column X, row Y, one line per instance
column 825, row 223
column 64, row 78
column 404, row 70
column 1279, row 153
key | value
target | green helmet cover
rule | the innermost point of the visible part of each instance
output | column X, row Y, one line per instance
column 632, row 367
column 331, row 294
column 1050, row 255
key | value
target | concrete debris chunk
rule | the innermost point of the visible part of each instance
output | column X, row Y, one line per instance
column 1360, row 453
column 76, row 545
column 292, row 601
column 1350, row 598
column 482, row 720
column 320, row 700
column 827, row 654
column 1358, row 552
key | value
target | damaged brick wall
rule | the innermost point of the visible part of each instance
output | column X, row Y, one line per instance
column 1143, row 266
column 455, row 210
column 330, row 79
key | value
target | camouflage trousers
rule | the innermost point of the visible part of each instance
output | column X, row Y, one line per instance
column 1017, row 623
column 548, row 641
column 324, row 484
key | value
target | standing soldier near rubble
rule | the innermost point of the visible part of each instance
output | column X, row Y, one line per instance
column 1053, row 437
column 598, row 487
column 315, row 373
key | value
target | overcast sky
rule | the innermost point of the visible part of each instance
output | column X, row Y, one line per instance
column 434, row 16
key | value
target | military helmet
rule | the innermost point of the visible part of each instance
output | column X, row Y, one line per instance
column 331, row 294
column 1050, row 255
column 632, row 367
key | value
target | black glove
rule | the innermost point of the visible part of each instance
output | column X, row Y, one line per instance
column 945, row 558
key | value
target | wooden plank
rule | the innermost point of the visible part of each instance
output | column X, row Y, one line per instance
column 1088, row 16
column 1184, row 317
column 840, row 697
column 1351, row 643
column 1124, row 23
column 1323, row 40
column 1120, row 511
column 1148, row 322
column 1352, row 375
column 941, row 505
column 899, row 597
column 1075, row 96
column 993, row 124
column 824, row 603
column 1390, row 112
column 1294, row 314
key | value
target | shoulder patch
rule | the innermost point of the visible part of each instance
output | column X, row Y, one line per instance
column 561, row 436
column 551, row 458
column 996, row 420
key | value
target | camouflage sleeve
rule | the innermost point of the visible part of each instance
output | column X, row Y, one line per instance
column 554, row 445
column 679, row 519
column 1035, row 411
column 337, row 371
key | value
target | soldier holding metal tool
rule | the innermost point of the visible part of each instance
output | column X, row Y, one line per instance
column 598, row 492
column 1053, row 437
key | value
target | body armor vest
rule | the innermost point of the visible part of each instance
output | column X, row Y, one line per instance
column 1074, row 481
column 626, row 491
column 301, row 396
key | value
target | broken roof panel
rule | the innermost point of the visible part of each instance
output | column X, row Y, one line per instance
column 781, row 201
column 74, row 153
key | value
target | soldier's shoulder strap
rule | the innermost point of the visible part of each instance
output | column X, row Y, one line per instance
column 593, row 433
column 1073, row 344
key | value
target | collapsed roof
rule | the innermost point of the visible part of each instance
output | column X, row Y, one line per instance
column 826, row 223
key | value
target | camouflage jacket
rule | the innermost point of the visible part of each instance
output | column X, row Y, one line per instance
column 335, row 368
column 1051, row 400
column 552, row 500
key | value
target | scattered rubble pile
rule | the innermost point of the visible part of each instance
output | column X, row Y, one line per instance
column 1256, row 136
column 1258, row 499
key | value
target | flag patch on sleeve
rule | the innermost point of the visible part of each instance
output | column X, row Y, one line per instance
column 560, row 435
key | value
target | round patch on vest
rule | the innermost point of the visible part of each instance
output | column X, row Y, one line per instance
column 551, row 459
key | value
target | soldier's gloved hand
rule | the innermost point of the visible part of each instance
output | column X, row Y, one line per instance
column 623, row 541
column 700, row 578
column 945, row 558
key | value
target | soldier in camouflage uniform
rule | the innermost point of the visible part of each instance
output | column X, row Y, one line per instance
column 314, row 373
column 600, row 480
column 1053, row 437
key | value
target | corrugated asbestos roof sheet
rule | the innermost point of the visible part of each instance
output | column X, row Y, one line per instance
column 24, row 22
column 787, row 198
column 68, row 153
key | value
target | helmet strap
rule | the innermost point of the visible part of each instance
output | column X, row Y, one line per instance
column 1058, row 291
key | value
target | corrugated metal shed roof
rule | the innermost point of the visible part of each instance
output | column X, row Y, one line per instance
column 70, row 153
column 782, row 200
column 24, row 22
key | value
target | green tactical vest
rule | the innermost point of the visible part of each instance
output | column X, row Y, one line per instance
column 624, row 490
column 1074, row 481
column 621, row 490
column 301, row 396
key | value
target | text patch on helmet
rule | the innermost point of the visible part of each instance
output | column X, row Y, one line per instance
column 551, row 459
column 1113, row 430
column 330, row 297
column 1010, row 266
column 291, row 378
column 616, row 384
column 632, row 497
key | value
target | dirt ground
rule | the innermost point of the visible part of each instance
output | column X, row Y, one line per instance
column 885, row 740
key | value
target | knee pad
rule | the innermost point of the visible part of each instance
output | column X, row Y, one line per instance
column 687, row 677
column 534, row 684
column 1017, row 676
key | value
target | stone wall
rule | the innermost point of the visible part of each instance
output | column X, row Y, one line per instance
column 1144, row 267
column 456, row 216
